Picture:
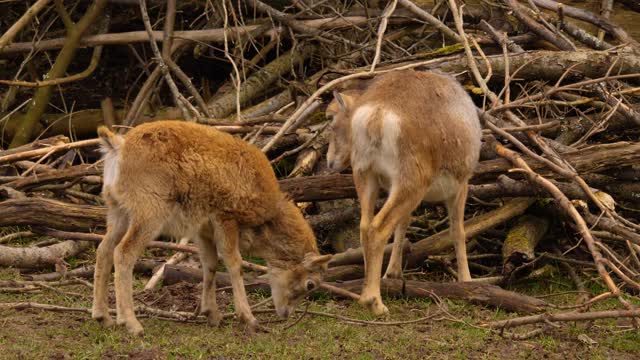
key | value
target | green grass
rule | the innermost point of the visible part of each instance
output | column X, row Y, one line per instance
column 36, row 334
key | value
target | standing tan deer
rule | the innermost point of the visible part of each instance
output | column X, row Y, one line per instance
column 184, row 179
column 417, row 135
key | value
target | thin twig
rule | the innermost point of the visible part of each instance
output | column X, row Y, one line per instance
column 177, row 97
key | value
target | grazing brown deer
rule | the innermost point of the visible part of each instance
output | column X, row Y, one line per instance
column 417, row 135
column 184, row 179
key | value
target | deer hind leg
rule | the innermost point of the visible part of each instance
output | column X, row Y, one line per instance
column 455, row 208
column 117, row 224
column 233, row 261
column 209, row 260
column 397, row 208
column 139, row 233
column 394, row 269
column 368, row 189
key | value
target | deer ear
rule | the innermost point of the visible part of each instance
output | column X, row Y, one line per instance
column 340, row 98
column 316, row 263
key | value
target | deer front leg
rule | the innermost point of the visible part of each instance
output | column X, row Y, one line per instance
column 116, row 227
column 126, row 254
column 398, row 207
column 209, row 260
column 233, row 262
column 455, row 208
column 394, row 269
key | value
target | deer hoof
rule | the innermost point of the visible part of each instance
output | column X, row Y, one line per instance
column 135, row 328
column 392, row 274
column 213, row 317
column 375, row 305
column 104, row 319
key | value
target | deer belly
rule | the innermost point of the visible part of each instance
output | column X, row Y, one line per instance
column 443, row 187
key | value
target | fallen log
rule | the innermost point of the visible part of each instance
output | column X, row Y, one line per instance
column 69, row 173
column 318, row 188
column 11, row 193
column 562, row 317
column 177, row 273
column 594, row 158
column 51, row 213
column 522, row 239
column 38, row 257
column 474, row 292
column 86, row 272
column 441, row 242
column 96, row 238
column 259, row 82
column 59, row 215
column 86, row 218
column 551, row 65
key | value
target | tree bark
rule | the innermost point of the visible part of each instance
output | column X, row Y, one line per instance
column 522, row 239
column 631, row 4
column 259, row 82
column 40, row 100
column 37, row 257
column 474, row 292
column 51, row 213
column 441, row 242
column 38, row 144
column 69, row 173
column 551, row 65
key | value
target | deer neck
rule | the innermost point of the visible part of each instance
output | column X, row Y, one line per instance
column 286, row 238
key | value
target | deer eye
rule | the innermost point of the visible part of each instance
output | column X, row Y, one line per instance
column 310, row 285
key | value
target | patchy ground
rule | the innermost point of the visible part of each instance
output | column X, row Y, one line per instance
column 36, row 334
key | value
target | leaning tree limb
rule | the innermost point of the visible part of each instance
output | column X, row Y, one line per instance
column 41, row 98
column 534, row 177
column 177, row 97
column 590, row 17
column 259, row 81
column 11, row 33
column 432, row 20
column 93, row 64
column 538, row 28
column 568, row 208
column 441, row 242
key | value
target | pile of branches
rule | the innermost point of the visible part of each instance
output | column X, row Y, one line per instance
column 556, row 187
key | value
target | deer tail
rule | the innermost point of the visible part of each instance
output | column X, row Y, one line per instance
column 109, row 142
